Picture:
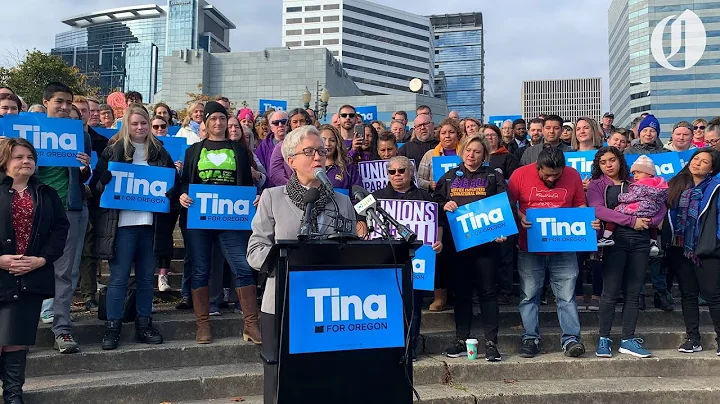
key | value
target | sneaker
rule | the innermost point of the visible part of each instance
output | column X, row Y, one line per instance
column 214, row 309
column 47, row 318
column 605, row 242
column 185, row 304
column 690, row 346
column 594, row 305
column 603, row 349
column 491, row 352
column 91, row 306
column 634, row 347
column 574, row 349
column 654, row 249
column 529, row 348
column 702, row 301
column 580, row 301
column 163, row 284
column 236, row 308
column 456, row 350
column 65, row 343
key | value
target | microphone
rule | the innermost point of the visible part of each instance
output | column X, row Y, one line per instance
column 321, row 175
column 368, row 202
column 309, row 198
column 366, row 207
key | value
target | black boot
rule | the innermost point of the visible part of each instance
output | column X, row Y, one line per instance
column 145, row 333
column 662, row 303
column 13, row 376
column 111, row 339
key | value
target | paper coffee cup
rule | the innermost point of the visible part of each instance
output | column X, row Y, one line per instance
column 471, row 345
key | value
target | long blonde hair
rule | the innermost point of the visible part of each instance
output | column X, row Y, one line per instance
column 597, row 133
column 189, row 112
column 123, row 134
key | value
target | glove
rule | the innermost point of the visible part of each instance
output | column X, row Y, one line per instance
column 105, row 177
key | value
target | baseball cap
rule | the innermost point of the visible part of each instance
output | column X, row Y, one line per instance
column 609, row 115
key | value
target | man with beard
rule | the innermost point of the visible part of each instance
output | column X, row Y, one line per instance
column 423, row 141
column 551, row 131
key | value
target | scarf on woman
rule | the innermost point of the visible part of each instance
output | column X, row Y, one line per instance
column 688, row 212
column 296, row 192
column 194, row 126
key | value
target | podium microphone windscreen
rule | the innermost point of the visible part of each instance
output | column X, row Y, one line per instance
column 321, row 175
column 311, row 196
column 359, row 192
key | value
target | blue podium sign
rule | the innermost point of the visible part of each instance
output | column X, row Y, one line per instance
column 482, row 221
column 57, row 140
column 343, row 310
column 561, row 230
column 443, row 164
column 221, row 207
column 136, row 187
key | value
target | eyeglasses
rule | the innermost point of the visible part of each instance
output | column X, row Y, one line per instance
column 161, row 126
column 699, row 127
column 350, row 115
column 712, row 142
column 310, row 152
column 279, row 122
column 399, row 171
column 422, row 125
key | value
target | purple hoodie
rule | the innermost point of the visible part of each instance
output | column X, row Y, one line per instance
column 596, row 199
column 264, row 153
column 346, row 179
column 279, row 172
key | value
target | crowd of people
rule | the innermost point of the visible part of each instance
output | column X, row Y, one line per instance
column 56, row 230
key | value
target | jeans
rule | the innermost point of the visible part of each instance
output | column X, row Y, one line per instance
column 187, row 265
column 624, row 266
column 563, row 274
column 89, row 265
column 475, row 269
column 693, row 281
column 233, row 244
column 505, row 266
column 67, row 273
column 133, row 245
column 220, row 277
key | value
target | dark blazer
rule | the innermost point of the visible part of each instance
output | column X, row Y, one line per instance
column 47, row 240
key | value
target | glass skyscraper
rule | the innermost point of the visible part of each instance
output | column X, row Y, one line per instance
column 460, row 62
column 122, row 49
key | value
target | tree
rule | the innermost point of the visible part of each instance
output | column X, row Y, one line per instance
column 31, row 75
column 200, row 97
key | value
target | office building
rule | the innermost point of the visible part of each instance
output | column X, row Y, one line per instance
column 569, row 98
column 673, row 84
column 460, row 62
column 382, row 48
column 123, row 48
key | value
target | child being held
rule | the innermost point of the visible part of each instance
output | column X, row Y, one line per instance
column 645, row 196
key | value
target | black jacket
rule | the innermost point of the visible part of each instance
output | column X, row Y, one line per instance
column 192, row 155
column 484, row 179
column 504, row 161
column 708, row 245
column 49, row 231
column 106, row 222
column 99, row 143
column 415, row 149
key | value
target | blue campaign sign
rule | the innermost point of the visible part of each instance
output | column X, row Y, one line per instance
column 482, row 221
column 93, row 163
column 136, row 187
column 424, row 268
column 173, row 130
column 57, row 140
column 344, row 310
column 221, row 207
column 443, row 164
column 106, row 133
column 581, row 161
column 343, row 191
column 368, row 113
column 176, row 146
column 685, row 156
column 498, row 120
column 400, row 145
column 561, row 230
column 666, row 164
column 278, row 105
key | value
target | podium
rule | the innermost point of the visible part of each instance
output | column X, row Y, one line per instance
column 341, row 323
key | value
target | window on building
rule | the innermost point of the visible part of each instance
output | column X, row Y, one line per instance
column 312, row 19
column 293, row 21
column 331, row 7
column 640, row 109
column 312, row 31
column 312, row 8
column 293, row 32
column 293, row 43
column 331, row 18
column 331, row 42
column 293, row 9
column 335, row 53
column 331, row 30
column 312, row 43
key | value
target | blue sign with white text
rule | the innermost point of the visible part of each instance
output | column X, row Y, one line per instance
column 582, row 161
column 498, row 120
column 57, row 140
column 344, row 310
column 482, row 221
column 443, row 164
column 368, row 113
column 176, row 146
column 667, row 165
column 686, row 156
column 278, row 105
column 561, row 230
column 105, row 132
column 424, row 268
column 221, row 207
column 136, row 187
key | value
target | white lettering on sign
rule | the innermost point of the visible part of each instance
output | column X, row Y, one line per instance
column 418, row 266
column 448, row 166
column 47, row 140
column 665, row 169
column 373, row 307
column 580, row 164
column 138, row 186
column 368, row 116
column 220, row 206
column 480, row 220
column 561, row 228
column 276, row 107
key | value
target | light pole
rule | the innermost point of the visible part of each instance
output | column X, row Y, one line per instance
column 322, row 96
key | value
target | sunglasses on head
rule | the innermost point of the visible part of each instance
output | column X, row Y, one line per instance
column 350, row 115
column 161, row 126
column 702, row 127
column 279, row 122
column 399, row 171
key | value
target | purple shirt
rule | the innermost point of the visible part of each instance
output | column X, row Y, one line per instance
column 449, row 152
column 346, row 179
column 279, row 172
column 265, row 149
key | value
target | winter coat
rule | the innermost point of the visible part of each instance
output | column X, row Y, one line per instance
column 644, row 197
column 597, row 196
column 504, row 161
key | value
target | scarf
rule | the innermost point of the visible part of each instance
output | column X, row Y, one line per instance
column 687, row 219
column 295, row 193
column 194, row 126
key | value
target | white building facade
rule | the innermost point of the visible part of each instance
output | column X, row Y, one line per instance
column 569, row 98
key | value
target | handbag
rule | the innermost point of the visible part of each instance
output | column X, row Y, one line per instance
column 129, row 307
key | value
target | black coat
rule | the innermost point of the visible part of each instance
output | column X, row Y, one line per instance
column 47, row 240
column 106, row 222
column 242, row 164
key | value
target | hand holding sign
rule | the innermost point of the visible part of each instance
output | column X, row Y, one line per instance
column 57, row 141
column 136, row 187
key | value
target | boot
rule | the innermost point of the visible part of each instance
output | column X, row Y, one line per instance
column 662, row 303
column 146, row 333
column 13, row 376
column 201, row 306
column 111, row 339
column 440, row 299
column 248, row 303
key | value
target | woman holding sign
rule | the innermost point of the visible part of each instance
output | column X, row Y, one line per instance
column 128, row 238
column 474, row 267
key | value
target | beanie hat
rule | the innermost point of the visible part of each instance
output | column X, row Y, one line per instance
column 649, row 122
column 211, row 108
column 644, row 164
column 245, row 113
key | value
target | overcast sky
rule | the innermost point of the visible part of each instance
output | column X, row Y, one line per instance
column 524, row 39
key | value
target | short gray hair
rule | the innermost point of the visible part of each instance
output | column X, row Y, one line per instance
column 37, row 106
column 405, row 162
column 398, row 122
column 293, row 139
